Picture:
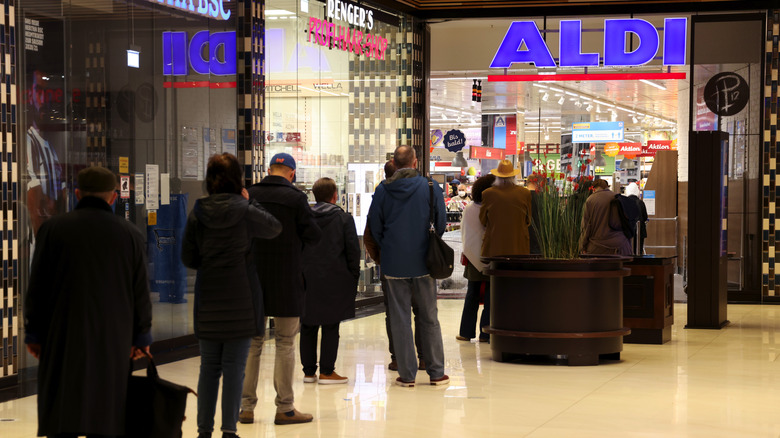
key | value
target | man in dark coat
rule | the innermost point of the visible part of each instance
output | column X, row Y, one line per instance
column 87, row 311
column 331, row 270
column 399, row 219
column 279, row 265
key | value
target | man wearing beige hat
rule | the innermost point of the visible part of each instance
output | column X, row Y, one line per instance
column 86, row 312
column 506, row 214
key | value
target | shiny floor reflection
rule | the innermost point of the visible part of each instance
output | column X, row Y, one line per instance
column 704, row 383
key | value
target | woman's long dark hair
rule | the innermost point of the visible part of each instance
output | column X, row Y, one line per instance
column 223, row 174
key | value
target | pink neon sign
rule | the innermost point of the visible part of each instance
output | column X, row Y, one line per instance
column 328, row 34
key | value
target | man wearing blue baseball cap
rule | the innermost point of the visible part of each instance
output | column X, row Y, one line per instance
column 279, row 266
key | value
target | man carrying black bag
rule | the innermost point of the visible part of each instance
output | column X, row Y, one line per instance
column 87, row 310
column 400, row 217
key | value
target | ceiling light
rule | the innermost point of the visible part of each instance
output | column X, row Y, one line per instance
column 556, row 89
column 277, row 12
column 633, row 119
column 545, row 97
column 653, row 84
column 589, row 107
column 546, row 137
column 539, row 85
column 578, row 104
column 561, row 100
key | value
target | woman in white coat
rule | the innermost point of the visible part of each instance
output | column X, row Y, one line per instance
column 472, row 231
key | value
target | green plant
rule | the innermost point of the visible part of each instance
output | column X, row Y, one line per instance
column 560, row 203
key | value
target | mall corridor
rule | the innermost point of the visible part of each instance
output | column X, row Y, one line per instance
column 704, row 383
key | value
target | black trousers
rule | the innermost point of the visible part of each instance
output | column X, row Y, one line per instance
column 329, row 348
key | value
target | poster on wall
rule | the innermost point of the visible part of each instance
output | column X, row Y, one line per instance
column 152, row 186
column 229, row 141
column 139, row 192
column 190, row 158
column 46, row 175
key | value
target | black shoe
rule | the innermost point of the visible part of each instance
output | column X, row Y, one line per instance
column 204, row 435
column 229, row 435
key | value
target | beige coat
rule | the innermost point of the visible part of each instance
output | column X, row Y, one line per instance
column 506, row 215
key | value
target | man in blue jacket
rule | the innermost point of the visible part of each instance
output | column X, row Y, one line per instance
column 399, row 221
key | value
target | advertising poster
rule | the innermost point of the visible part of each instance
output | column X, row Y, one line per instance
column 139, row 193
column 229, row 141
column 46, row 176
column 190, row 158
column 152, row 186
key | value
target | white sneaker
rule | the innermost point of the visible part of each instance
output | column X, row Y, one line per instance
column 309, row 379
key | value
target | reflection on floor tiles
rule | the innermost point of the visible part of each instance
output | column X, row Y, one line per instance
column 704, row 383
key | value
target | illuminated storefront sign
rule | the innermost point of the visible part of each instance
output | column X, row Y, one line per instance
column 179, row 55
column 204, row 8
column 351, row 13
column 526, row 34
column 329, row 35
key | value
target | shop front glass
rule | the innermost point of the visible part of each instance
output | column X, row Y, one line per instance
column 332, row 104
column 145, row 89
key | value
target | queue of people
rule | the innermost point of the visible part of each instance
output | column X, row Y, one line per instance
column 259, row 252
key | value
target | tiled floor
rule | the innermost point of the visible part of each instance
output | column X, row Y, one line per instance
column 704, row 383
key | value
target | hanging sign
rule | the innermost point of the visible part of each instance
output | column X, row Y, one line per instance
column 454, row 140
column 525, row 35
column 726, row 94
column 437, row 138
column 630, row 150
column 611, row 149
column 479, row 153
column 587, row 132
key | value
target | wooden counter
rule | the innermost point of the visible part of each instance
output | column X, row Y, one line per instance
column 648, row 300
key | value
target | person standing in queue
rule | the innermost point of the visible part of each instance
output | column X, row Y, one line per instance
column 279, row 266
column 86, row 312
column 602, row 230
column 399, row 219
column 331, row 269
column 228, row 308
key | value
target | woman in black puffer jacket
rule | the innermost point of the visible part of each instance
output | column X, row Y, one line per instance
column 228, row 298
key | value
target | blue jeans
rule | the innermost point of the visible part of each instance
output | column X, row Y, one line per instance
column 226, row 359
column 400, row 294
column 470, row 308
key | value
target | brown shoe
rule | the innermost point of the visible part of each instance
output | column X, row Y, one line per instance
column 462, row 338
column 421, row 366
column 292, row 417
column 393, row 366
column 443, row 380
column 405, row 383
column 246, row 417
column 332, row 378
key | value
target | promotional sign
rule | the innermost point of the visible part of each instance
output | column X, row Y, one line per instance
column 654, row 146
column 499, row 132
column 630, row 150
column 437, row 138
column 179, row 55
column 454, row 140
column 647, row 44
column 124, row 187
column 726, row 94
column 611, row 149
column 479, row 152
column 167, row 275
column 587, row 132
column 511, row 135
column 706, row 120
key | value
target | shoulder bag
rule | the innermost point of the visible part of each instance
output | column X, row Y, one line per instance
column 440, row 259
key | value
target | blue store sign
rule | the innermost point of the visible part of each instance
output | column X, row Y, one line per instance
column 454, row 140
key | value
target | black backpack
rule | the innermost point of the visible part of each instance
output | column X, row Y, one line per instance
column 629, row 214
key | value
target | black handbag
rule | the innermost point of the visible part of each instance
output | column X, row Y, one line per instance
column 440, row 259
column 155, row 407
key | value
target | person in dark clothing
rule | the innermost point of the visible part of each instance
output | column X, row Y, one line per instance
column 632, row 191
column 373, row 251
column 228, row 300
column 400, row 219
column 86, row 312
column 280, row 268
column 331, row 270
column 532, row 184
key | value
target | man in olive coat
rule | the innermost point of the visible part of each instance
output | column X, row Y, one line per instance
column 87, row 311
column 279, row 266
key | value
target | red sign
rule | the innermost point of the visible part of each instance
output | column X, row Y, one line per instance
column 511, row 135
column 630, row 150
column 659, row 145
column 479, row 152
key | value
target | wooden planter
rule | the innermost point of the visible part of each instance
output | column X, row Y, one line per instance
column 571, row 308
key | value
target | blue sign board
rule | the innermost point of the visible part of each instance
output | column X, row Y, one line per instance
column 179, row 55
column 526, row 33
column 597, row 132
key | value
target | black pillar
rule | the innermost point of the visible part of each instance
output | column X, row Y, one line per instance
column 707, row 214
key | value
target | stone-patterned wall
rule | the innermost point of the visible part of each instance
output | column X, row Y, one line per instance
column 251, row 87
column 10, row 347
column 771, row 144
column 96, row 105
